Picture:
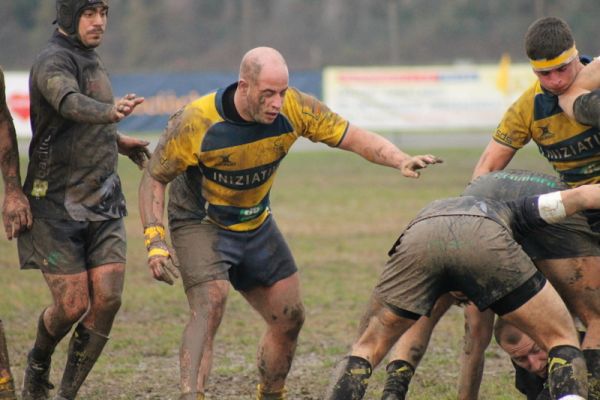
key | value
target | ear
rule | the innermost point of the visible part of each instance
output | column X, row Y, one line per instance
column 243, row 86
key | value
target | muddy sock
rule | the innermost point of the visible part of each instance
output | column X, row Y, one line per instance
column 4, row 360
column 352, row 378
column 399, row 374
column 261, row 394
column 84, row 349
column 592, row 360
column 45, row 343
column 567, row 374
column 7, row 384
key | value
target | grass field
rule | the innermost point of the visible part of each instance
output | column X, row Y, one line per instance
column 340, row 215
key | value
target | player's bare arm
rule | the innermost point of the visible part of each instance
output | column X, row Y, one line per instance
column 161, row 257
column 588, row 79
column 16, row 214
column 379, row 150
column 478, row 333
column 495, row 157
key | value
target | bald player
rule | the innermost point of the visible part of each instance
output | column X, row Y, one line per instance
column 221, row 153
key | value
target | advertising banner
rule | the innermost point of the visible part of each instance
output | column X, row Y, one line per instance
column 425, row 97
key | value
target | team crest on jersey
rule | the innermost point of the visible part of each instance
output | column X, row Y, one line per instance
column 546, row 134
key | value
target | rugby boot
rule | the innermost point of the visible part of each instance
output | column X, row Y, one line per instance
column 192, row 396
column 7, row 388
column 277, row 395
column 84, row 349
column 36, row 385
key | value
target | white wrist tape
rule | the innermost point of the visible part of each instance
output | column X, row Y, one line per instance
column 551, row 207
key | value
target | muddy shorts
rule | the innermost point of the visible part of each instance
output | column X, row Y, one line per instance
column 69, row 247
column 471, row 254
column 571, row 238
column 250, row 259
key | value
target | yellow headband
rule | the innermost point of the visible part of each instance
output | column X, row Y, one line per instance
column 563, row 58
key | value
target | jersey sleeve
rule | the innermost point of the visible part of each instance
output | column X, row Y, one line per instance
column 514, row 129
column 55, row 78
column 178, row 146
column 316, row 121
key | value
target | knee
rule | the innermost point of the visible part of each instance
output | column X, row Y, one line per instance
column 109, row 304
column 71, row 311
column 294, row 320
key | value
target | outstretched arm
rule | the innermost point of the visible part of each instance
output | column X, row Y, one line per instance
column 379, row 150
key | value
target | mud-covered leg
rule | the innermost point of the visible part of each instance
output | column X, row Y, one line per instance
column 545, row 318
column 282, row 310
column 350, row 379
column 207, row 303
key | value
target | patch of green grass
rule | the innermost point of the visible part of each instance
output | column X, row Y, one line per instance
column 340, row 216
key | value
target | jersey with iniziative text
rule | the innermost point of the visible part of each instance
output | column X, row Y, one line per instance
column 573, row 149
column 72, row 172
column 223, row 170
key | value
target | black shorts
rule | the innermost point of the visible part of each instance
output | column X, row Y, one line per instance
column 249, row 259
column 471, row 254
column 69, row 247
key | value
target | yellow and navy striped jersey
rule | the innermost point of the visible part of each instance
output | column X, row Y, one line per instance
column 223, row 170
column 573, row 149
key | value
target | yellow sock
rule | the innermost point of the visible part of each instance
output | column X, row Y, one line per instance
column 277, row 395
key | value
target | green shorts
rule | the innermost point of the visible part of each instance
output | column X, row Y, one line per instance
column 471, row 254
column 250, row 259
column 69, row 247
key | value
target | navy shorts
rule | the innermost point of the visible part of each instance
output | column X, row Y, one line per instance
column 249, row 259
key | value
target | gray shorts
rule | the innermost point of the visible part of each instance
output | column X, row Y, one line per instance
column 250, row 259
column 471, row 254
column 69, row 247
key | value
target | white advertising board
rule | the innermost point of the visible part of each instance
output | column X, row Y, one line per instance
column 424, row 97
column 17, row 99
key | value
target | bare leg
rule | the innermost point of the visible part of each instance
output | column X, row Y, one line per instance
column 577, row 280
column 281, row 307
column 547, row 321
column 70, row 294
column 207, row 305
